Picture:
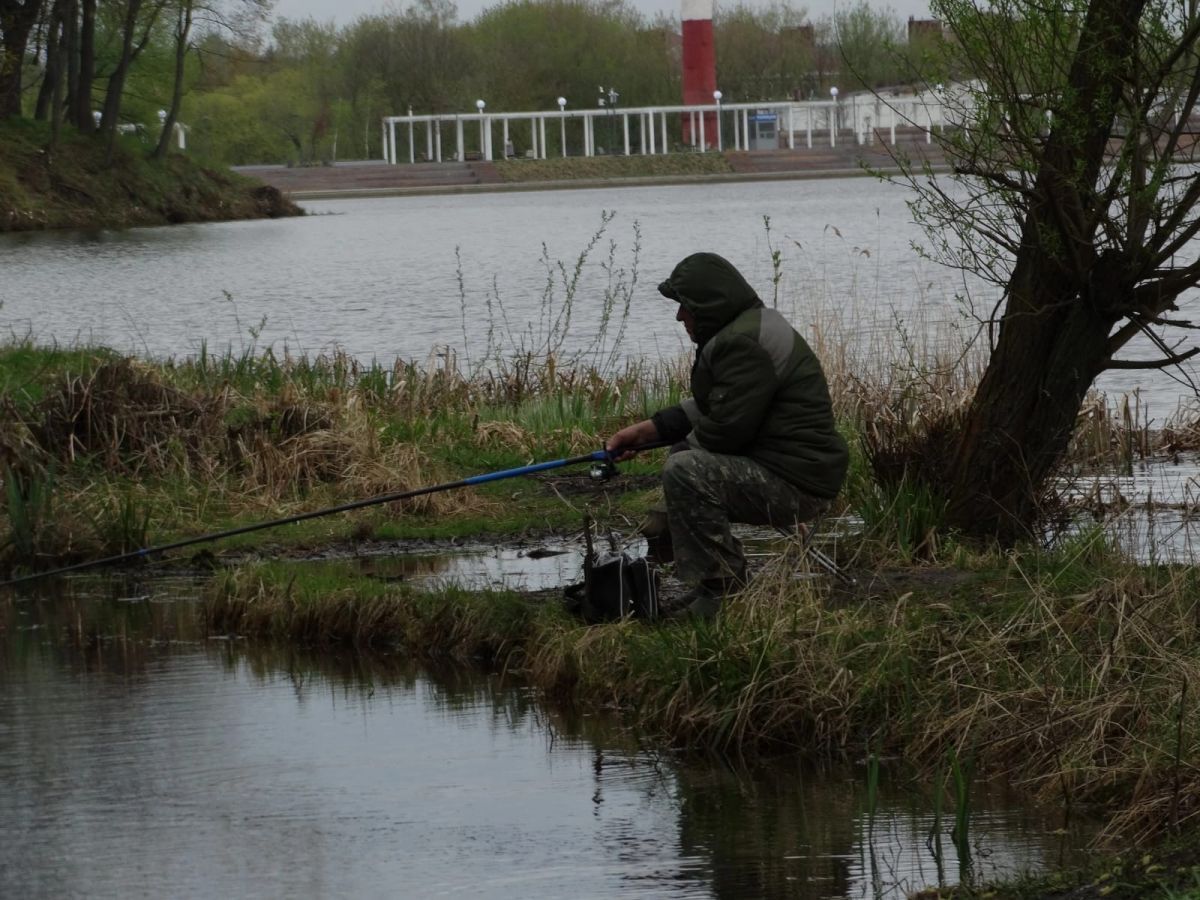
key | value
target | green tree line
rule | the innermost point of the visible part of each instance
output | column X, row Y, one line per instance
column 252, row 90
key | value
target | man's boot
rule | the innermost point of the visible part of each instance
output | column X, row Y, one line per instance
column 657, row 531
column 705, row 599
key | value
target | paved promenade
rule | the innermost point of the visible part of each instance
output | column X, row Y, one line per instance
column 366, row 179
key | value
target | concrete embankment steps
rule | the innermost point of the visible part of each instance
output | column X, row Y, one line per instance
column 844, row 157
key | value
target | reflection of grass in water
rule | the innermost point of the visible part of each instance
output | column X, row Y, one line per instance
column 872, row 799
column 961, row 774
column 113, row 625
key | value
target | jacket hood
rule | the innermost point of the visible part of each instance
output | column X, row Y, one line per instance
column 712, row 290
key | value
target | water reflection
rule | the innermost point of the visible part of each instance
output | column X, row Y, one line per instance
column 136, row 759
column 791, row 830
column 1151, row 513
column 475, row 567
column 540, row 566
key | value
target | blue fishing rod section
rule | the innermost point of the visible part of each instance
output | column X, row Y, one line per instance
column 595, row 456
column 601, row 459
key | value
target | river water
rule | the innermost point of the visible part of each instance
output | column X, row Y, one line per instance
column 138, row 759
column 389, row 278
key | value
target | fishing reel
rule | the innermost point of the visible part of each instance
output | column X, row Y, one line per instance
column 602, row 470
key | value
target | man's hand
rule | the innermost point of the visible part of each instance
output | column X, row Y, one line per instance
column 618, row 445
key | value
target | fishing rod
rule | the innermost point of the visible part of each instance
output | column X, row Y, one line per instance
column 602, row 468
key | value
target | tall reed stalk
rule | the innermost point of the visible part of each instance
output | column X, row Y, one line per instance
column 29, row 501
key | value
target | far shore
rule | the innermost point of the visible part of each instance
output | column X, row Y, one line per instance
column 375, row 178
column 572, row 184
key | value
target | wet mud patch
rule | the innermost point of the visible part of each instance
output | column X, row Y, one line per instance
column 582, row 484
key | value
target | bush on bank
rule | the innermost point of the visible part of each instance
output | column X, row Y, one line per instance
column 75, row 185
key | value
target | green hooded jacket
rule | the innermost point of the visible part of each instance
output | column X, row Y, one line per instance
column 757, row 388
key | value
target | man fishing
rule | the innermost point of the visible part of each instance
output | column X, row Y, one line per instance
column 756, row 443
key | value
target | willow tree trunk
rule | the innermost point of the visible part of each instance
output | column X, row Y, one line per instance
column 1025, row 409
column 110, row 119
column 71, row 41
column 55, row 51
column 81, row 111
column 1062, row 300
column 16, row 21
column 183, row 36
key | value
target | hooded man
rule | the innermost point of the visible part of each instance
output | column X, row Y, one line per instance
column 761, row 444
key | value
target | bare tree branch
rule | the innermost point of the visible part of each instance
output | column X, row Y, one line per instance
column 1173, row 360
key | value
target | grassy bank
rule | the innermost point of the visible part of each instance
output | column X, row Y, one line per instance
column 582, row 167
column 74, row 184
column 102, row 454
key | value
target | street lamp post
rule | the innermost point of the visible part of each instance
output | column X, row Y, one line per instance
column 833, row 116
column 717, row 99
column 562, row 124
column 479, row 105
column 612, row 96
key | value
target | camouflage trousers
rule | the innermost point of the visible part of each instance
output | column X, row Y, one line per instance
column 704, row 492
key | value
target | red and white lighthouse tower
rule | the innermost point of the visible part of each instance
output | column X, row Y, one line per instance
column 699, row 67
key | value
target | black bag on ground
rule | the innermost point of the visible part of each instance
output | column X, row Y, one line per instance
column 616, row 587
